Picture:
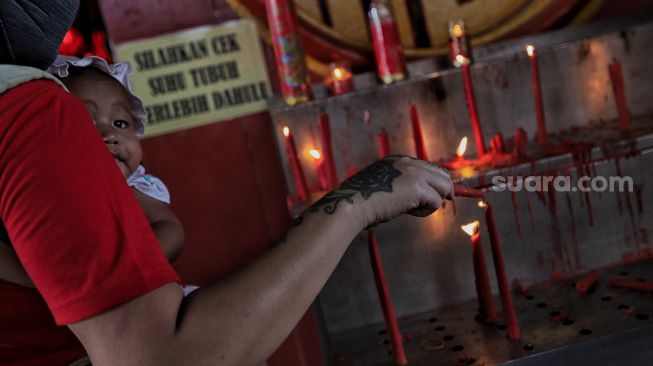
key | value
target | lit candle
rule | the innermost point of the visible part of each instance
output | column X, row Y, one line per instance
column 486, row 309
column 461, row 56
column 537, row 96
column 340, row 80
column 288, row 51
column 479, row 143
column 420, row 148
column 329, row 161
column 383, row 141
column 502, row 276
column 459, row 162
column 387, row 48
column 299, row 180
column 462, row 147
column 617, row 78
column 459, row 49
column 386, row 302
column 320, row 168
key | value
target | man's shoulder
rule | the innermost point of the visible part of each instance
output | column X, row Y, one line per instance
column 41, row 90
column 12, row 76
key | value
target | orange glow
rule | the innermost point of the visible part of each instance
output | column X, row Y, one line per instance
column 482, row 204
column 460, row 151
column 457, row 30
column 286, row 131
column 461, row 59
column 315, row 154
column 530, row 50
column 471, row 228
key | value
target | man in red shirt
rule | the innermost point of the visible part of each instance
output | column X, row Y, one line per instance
column 92, row 256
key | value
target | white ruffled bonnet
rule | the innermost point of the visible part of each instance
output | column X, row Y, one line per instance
column 121, row 71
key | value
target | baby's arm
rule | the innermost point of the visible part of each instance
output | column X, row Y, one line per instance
column 166, row 226
column 10, row 268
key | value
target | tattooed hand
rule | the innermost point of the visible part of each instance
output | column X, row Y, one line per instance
column 389, row 188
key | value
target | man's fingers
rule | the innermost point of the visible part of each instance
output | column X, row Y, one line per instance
column 441, row 175
column 429, row 204
column 442, row 184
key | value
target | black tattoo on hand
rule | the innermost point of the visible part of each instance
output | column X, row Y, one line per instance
column 330, row 201
column 377, row 177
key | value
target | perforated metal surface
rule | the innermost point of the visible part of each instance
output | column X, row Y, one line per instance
column 554, row 318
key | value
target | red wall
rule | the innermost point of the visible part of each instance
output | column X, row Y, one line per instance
column 225, row 179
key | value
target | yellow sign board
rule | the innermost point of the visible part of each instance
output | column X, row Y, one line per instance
column 198, row 76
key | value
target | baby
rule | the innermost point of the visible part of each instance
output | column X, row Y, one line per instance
column 119, row 117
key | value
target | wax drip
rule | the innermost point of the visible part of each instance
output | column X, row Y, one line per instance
column 559, row 246
column 618, row 169
column 631, row 212
column 579, row 173
column 530, row 209
column 540, row 194
column 572, row 226
column 590, row 214
column 640, row 205
column 516, row 211
column 592, row 169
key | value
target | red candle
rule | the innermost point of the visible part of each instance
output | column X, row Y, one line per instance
column 387, row 48
column 587, row 281
column 459, row 49
column 502, row 276
column 486, row 309
column 632, row 284
column 521, row 143
column 497, row 143
column 386, row 302
column 299, row 179
column 462, row 191
column 618, row 86
column 340, row 80
column 473, row 112
column 288, row 51
column 383, row 142
column 327, row 147
column 320, row 168
column 542, row 138
column 420, row 148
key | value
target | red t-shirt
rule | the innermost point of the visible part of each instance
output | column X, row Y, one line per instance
column 72, row 220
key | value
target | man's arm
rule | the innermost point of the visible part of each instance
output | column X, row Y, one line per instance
column 167, row 227
column 242, row 319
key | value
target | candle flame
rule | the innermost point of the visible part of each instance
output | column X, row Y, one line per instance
column 471, row 228
column 530, row 49
column 457, row 30
column 286, row 131
column 460, row 151
column 315, row 153
column 482, row 204
column 338, row 73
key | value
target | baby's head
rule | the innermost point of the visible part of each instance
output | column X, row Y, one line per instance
column 117, row 113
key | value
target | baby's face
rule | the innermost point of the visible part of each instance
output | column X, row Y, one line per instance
column 108, row 103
